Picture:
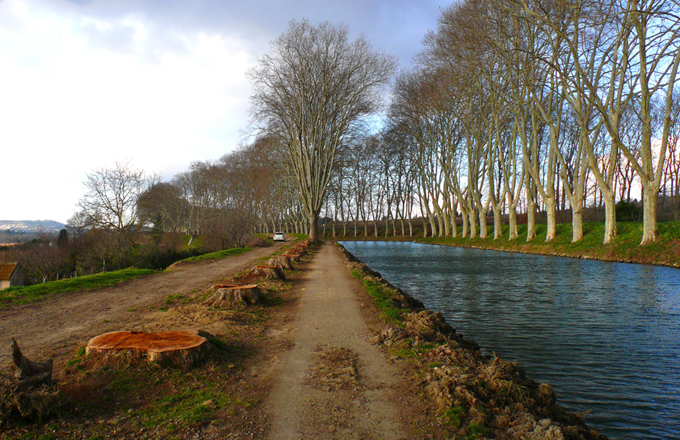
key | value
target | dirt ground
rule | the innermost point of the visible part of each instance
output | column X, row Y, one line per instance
column 302, row 365
column 334, row 383
column 51, row 328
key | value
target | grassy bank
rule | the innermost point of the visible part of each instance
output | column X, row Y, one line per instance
column 219, row 254
column 36, row 292
column 625, row 247
column 26, row 294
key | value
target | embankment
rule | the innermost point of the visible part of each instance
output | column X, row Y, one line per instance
column 624, row 248
column 477, row 395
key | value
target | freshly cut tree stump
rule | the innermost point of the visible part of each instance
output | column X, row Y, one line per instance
column 282, row 261
column 182, row 348
column 233, row 294
column 269, row 272
column 223, row 286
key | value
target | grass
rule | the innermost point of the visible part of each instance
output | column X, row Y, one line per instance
column 26, row 294
column 219, row 254
column 190, row 405
column 178, row 297
column 455, row 415
column 625, row 246
column 173, row 399
column 382, row 297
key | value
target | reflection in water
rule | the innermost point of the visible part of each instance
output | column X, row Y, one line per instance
column 605, row 335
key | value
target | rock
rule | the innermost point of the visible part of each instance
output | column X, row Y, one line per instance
column 546, row 395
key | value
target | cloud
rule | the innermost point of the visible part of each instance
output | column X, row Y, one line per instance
column 87, row 83
column 79, row 93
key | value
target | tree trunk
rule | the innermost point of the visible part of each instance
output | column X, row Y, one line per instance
column 609, row 216
column 531, row 213
column 482, row 222
column 473, row 224
column 313, row 228
column 550, row 206
column 433, row 225
column 649, row 220
column 512, row 224
column 576, row 223
column 497, row 222
column 466, row 225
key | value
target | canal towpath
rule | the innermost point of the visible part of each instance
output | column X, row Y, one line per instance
column 333, row 383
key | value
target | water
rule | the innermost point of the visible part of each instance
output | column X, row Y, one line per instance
column 606, row 336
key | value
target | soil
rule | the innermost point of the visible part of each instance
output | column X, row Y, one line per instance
column 53, row 327
column 304, row 364
column 333, row 384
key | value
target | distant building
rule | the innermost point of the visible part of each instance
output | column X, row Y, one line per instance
column 10, row 275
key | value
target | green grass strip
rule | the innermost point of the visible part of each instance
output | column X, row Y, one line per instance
column 26, row 294
column 219, row 254
column 625, row 246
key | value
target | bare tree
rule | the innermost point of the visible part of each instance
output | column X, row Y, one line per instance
column 310, row 91
column 112, row 197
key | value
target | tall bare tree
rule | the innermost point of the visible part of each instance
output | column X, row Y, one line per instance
column 113, row 195
column 310, row 91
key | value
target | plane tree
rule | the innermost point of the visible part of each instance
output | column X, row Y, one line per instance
column 310, row 91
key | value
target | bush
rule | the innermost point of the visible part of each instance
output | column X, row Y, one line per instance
column 258, row 242
column 628, row 211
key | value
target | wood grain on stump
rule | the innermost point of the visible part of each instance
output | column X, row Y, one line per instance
column 184, row 348
column 269, row 272
column 232, row 294
column 223, row 286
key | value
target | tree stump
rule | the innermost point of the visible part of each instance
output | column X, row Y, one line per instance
column 232, row 294
column 181, row 348
column 35, row 395
column 299, row 251
column 293, row 256
column 269, row 272
column 30, row 374
column 282, row 261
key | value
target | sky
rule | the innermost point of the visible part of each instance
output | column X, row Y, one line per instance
column 159, row 84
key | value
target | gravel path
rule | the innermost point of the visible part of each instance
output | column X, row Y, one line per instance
column 333, row 384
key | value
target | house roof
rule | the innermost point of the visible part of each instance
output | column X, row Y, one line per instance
column 6, row 270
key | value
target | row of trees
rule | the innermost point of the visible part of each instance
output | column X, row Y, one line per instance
column 513, row 105
column 523, row 99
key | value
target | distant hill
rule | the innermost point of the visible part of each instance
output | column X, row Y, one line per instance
column 30, row 226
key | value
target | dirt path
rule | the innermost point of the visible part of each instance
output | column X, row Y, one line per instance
column 56, row 325
column 333, row 384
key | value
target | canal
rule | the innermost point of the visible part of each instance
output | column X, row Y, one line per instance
column 605, row 335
